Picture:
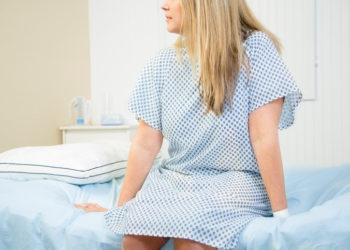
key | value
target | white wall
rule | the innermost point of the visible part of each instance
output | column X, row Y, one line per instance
column 124, row 34
column 321, row 134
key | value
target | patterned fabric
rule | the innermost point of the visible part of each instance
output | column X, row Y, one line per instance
column 210, row 187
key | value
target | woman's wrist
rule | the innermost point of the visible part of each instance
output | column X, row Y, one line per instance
column 281, row 213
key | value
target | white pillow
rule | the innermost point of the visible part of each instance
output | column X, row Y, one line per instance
column 77, row 163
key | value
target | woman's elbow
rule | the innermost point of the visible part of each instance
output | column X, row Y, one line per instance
column 148, row 138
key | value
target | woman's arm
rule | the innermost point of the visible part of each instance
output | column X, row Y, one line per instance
column 143, row 150
column 263, row 131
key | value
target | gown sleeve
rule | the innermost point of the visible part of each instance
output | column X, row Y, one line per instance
column 145, row 98
column 270, row 79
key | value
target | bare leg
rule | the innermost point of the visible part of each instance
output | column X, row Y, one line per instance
column 142, row 242
column 186, row 244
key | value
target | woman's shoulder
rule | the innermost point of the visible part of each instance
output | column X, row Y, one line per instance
column 159, row 63
column 164, row 55
column 257, row 39
column 161, row 59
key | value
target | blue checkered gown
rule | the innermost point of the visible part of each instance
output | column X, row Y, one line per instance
column 210, row 187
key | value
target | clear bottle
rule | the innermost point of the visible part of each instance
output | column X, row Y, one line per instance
column 79, row 110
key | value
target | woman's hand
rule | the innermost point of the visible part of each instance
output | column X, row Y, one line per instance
column 91, row 207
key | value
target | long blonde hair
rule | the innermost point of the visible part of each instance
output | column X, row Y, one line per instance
column 213, row 32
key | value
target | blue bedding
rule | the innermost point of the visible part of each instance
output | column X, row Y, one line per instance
column 40, row 214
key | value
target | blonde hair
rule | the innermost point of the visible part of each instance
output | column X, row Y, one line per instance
column 213, row 32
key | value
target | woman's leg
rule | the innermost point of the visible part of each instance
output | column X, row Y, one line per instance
column 186, row 244
column 142, row 242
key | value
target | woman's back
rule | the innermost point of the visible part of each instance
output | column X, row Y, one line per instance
column 210, row 186
column 167, row 98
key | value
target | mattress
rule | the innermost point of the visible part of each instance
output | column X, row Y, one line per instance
column 39, row 214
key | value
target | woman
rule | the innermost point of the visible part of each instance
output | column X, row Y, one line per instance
column 219, row 96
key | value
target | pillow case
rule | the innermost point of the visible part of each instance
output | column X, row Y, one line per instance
column 76, row 163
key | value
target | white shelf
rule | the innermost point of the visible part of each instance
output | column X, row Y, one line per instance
column 86, row 133
column 87, row 127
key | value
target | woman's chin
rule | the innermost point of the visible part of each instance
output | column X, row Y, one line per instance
column 172, row 30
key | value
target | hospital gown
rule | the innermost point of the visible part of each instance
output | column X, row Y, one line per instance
column 210, row 187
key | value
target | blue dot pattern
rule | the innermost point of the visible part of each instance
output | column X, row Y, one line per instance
column 210, row 187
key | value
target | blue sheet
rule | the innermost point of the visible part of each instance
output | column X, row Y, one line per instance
column 40, row 215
